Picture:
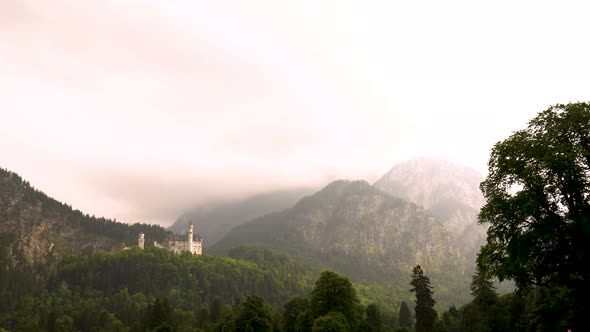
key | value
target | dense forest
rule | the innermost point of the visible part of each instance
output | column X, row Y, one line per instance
column 156, row 290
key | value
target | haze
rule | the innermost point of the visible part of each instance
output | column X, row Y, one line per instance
column 138, row 110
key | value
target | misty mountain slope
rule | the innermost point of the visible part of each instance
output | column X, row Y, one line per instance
column 35, row 228
column 358, row 230
column 451, row 192
column 213, row 221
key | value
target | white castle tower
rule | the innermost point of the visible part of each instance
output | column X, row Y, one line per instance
column 190, row 236
column 186, row 242
column 141, row 240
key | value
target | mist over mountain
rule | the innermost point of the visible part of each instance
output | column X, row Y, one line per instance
column 450, row 191
column 357, row 229
column 214, row 220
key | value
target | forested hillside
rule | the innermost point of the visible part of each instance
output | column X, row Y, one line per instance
column 360, row 231
column 35, row 228
column 135, row 290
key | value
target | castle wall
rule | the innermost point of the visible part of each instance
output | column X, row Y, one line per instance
column 180, row 243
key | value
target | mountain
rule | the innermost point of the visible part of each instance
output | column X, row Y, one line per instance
column 36, row 229
column 450, row 191
column 213, row 221
column 357, row 229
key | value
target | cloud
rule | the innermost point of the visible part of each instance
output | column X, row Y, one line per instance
column 136, row 109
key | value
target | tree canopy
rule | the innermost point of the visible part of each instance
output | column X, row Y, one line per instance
column 334, row 293
column 538, row 203
column 254, row 315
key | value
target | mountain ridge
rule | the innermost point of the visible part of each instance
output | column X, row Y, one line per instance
column 450, row 191
column 359, row 230
column 37, row 229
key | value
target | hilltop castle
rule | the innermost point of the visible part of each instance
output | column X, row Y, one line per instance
column 180, row 242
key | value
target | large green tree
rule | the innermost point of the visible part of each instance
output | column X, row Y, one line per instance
column 334, row 293
column 425, row 313
column 538, row 205
column 293, row 309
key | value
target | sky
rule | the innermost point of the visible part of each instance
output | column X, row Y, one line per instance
column 140, row 110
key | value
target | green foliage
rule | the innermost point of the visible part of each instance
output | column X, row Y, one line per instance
column 483, row 290
column 425, row 313
column 334, row 293
column 294, row 308
column 151, row 289
column 254, row 315
column 405, row 316
column 538, row 207
column 372, row 322
column 331, row 322
column 157, row 314
column 450, row 320
column 185, row 279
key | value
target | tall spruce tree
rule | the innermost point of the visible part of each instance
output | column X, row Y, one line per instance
column 425, row 313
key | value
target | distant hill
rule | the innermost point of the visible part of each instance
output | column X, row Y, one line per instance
column 357, row 229
column 35, row 228
column 213, row 221
column 450, row 191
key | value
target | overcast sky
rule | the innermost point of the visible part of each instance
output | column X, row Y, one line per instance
column 137, row 110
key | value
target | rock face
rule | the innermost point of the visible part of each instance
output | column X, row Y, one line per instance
column 451, row 192
column 213, row 221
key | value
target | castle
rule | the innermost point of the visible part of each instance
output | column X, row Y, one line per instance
column 180, row 242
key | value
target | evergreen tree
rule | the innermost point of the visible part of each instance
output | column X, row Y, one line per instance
column 215, row 309
column 372, row 321
column 405, row 316
column 483, row 289
column 425, row 313
column 157, row 314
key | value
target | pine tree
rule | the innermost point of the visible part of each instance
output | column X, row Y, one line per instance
column 483, row 290
column 405, row 316
column 425, row 313
column 372, row 321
